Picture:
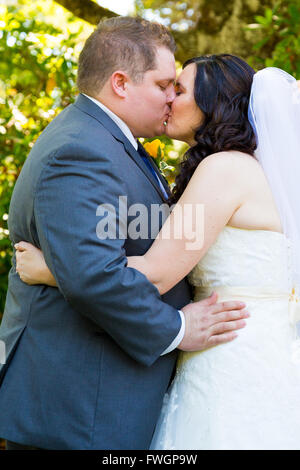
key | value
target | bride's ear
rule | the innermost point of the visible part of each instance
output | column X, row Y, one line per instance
column 298, row 84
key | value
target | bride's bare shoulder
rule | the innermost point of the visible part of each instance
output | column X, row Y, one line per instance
column 230, row 156
column 230, row 162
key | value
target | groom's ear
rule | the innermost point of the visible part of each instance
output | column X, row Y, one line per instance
column 119, row 82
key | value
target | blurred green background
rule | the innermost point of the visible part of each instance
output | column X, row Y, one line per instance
column 39, row 46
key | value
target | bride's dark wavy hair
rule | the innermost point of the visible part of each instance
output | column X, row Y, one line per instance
column 221, row 91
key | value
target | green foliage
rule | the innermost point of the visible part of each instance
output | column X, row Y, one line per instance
column 178, row 15
column 37, row 70
column 280, row 27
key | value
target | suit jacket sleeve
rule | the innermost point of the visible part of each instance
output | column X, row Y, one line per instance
column 91, row 273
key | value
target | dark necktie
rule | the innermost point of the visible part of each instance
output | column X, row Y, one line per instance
column 142, row 153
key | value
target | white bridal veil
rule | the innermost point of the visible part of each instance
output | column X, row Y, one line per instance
column 274, row 113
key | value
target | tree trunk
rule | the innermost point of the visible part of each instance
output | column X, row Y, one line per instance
column 87, row 10
column 222, row 28
column 218, row 27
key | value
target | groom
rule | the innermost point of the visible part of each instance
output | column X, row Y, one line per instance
column 88, row 363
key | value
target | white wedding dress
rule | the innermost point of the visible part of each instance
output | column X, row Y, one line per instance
column 244, row 394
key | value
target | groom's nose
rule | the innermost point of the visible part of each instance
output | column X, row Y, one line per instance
column 171, row 95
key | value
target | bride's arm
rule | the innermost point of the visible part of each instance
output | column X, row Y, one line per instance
column 216, row 190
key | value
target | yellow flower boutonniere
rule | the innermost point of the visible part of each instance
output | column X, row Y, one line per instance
column 155, row 148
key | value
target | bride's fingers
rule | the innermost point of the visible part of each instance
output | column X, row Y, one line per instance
column 19, row 266
column 19, row 256
column 17, row 261
column 23, row 246
column 225, row 327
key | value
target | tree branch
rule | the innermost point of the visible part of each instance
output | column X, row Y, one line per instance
column 87, row 10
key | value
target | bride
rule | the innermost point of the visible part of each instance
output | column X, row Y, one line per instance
column 243, row 166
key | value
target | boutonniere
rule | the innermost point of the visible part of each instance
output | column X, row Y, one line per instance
column 155, row 148
column 158, row 150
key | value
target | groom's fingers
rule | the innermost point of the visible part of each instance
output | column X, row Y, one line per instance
column 225, row 327
column 229, row 316
column 221, row 339
column 212, row 299
column 228, row 305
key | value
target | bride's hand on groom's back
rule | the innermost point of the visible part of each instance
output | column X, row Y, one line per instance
column 31, row 265
column 208, row 323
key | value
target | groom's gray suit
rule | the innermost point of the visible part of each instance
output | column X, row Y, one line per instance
column 83, row 367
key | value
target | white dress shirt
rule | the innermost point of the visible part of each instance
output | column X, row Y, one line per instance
column 127, row 132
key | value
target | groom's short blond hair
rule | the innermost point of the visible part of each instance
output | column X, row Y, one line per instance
column 121, row 43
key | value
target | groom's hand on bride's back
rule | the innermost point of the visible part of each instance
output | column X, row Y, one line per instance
column 208, row 323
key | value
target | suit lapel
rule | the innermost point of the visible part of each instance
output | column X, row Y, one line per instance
column 89, row 107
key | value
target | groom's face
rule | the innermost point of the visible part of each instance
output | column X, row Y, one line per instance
column 149, row 101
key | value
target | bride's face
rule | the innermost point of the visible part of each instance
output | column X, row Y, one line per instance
column 185, row 115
